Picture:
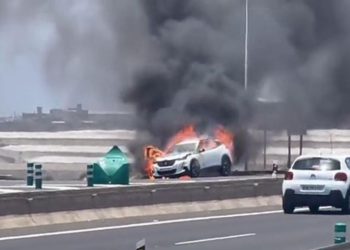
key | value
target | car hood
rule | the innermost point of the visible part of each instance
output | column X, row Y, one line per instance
column 171, row 157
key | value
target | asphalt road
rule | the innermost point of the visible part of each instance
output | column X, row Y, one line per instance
column 263, row 230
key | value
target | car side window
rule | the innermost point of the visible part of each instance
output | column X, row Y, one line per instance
column 347, row 161
column 211, row 144
column 201, row 145
column 206, row 145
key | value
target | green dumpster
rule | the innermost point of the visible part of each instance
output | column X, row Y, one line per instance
column 113, row 168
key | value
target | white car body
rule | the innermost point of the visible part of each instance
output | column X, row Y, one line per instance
column 317, row 180
column 179, row 161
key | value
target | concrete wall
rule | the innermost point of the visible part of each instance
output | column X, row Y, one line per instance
column 99, row 198
column 315, row 141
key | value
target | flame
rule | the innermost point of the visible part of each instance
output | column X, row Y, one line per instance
column 185, row 178
column 226, row 137
column 151, row 154
column 186, row 133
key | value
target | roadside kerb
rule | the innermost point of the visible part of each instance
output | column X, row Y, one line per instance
column 345, row 246
column 98, row 198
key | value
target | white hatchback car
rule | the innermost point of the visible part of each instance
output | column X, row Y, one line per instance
column 191, row 156
column 317, row 180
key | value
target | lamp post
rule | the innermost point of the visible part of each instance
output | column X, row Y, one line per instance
column 246, row 46
column 246, row 71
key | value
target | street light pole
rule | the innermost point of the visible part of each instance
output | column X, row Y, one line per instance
column 246, row 76
column 246, row 46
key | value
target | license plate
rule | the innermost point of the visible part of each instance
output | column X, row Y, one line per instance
column 165, row 169
column 312, row 187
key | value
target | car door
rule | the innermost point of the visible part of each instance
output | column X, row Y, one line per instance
column 211, row 153
column 204, row 156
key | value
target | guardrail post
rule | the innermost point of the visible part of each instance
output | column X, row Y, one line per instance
column 38, row 176
column 90, row 175
column 141, row 245
column 30, row 174
column 339, row 233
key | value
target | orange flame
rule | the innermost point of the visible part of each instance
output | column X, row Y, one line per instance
column 151, row 154
column 186, row 133
column 226, row 137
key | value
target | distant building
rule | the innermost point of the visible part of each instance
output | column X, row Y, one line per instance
column 68, row 119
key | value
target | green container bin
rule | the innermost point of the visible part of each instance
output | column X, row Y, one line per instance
column 113, row 168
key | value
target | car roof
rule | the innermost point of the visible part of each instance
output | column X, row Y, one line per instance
column 332, row 156
column 195, row 140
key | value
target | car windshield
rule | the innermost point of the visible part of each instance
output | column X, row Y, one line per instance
column 183, row 148
column 317, row 163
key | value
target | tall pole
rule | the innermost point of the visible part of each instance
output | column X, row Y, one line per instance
column 265, row 146
column 289, row 150
column 246, row 72
column 246, row 46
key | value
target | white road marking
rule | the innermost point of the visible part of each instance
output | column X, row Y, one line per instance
column 60, row 187
column 214, row 239
column 14, row 186
column 25, row 188
column 9, row 191
column 145, row 224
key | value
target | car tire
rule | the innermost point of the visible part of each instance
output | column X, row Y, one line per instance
column 346, row 204
column 226, row 164
column 314, row 209
column 195, row 169
column 288, row 207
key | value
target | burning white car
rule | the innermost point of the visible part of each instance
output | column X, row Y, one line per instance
column 191, row 156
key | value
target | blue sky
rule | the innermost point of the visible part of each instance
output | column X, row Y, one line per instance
column 22, row 86
column 22, row 81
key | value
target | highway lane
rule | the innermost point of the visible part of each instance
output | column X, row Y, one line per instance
column 262, row 230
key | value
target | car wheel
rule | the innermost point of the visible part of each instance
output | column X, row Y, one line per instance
column 225, row 166
column 195, row 168
column 314, row 209
column 346, row 205
column 288, row 207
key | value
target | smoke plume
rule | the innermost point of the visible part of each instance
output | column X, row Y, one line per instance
column 298, row 55
column 182, row 61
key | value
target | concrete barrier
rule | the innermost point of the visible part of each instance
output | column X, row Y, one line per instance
column 128, row 196
column 42, row 219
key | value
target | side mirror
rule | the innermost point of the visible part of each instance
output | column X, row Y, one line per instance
column 201, row 150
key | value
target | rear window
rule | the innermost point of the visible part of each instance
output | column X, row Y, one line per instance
column 347, row 161
column 317, row 163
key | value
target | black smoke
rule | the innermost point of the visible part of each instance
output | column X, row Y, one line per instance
column 182, row 61
column 197, row 77
column 298, row 61
column 298, row 55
